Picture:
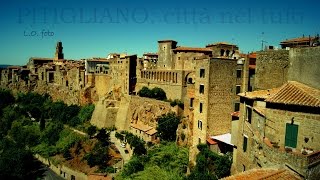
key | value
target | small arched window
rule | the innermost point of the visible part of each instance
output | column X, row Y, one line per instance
column 222, row 52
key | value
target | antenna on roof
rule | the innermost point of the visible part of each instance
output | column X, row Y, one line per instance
column 262, row 41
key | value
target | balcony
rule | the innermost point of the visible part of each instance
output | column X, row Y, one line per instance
column 296, row 160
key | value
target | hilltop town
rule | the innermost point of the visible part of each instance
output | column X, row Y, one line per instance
column 263, row 107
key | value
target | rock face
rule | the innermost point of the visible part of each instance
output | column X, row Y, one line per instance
column 58, row 93
column 147, row 110
column 105, row 113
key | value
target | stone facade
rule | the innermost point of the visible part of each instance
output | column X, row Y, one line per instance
column 271, row 68
column 304, row 66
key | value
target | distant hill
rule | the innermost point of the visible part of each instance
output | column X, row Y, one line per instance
column 4, row 66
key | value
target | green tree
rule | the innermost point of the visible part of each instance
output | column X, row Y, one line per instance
column 51, row 134
column 167, row 126
column 16, row 162
column 104, row 137
column 6, row 99
column 158, row 93
column 85, row 113
column 98, row 156
column 8, row 116
column 91, row 130
column 133, row 166
column 210, row 165
column 145, row 92
column 119, row 136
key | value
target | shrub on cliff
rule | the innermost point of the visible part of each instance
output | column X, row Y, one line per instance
column 155, row 93
column 144, row 92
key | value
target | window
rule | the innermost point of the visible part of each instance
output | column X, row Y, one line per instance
column 202, row 73
column 291, row 135
column 236, row 106
column 191, row 102
column 245, row 143
column 201, row 89
column 249, row 114
column 199, row 141
column 178, row 58
column 238, row 89
column 239, row 72
column 227, row 52
column 200, row 124
column 200, row 107
column 222, row 52
column 244, row 167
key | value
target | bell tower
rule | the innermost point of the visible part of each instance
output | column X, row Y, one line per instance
column 59, row 51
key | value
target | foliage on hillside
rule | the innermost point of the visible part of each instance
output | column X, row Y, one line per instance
column 33, row 123
column 167, row 126
column 136, row 143
column 210, row 165
column 163, row 161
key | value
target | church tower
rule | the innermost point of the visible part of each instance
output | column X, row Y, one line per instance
column 59, row 53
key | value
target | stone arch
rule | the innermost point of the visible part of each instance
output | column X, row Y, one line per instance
column 189, row 78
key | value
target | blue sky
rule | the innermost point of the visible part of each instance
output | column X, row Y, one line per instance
column 98, row 27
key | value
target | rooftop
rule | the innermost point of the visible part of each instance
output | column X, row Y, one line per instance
column 298, row 40
column 226, row 138
column 295, row 93
column 221, row 43
column 195, row 49
column 141, row 126
column 260, row 94
column 167, row 40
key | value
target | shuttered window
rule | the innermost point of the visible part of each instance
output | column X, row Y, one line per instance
column 291, row 135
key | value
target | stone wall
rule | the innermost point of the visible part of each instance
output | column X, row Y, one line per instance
column 62, row 170
column 309, row 125
column 186, row 60
column 271, row 69
column 105, row 113
column 170, row 81
column 222, row 85
column 305, row 66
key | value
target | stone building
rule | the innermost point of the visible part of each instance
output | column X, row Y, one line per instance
column 278, row 128
column 279, row 121
column 206, row 79
column 303, row 41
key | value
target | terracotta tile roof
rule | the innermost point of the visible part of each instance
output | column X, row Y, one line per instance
column 253, row 55
column 150, row 54
column 265, row 173
column 253, row 66
column 260, row 94
column 151, row 131
column 236, row 114
column 14, row 67
column 192, row 49
column 298, row 40
column 211, row 141
column 295, row 93
column 99, row 177
column 141, row 126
